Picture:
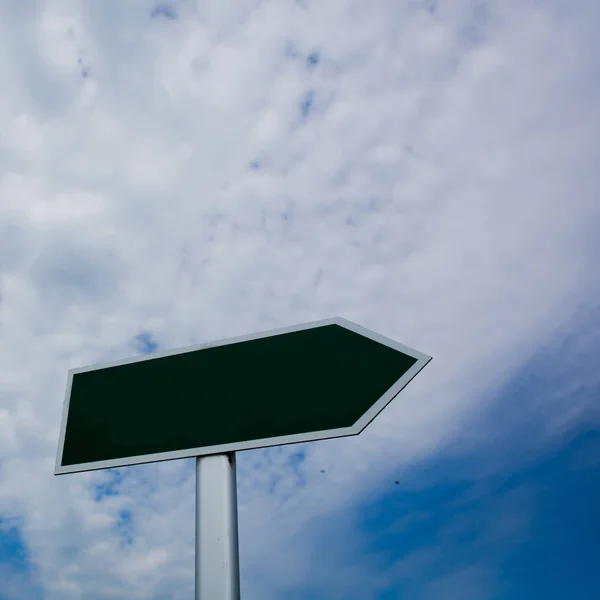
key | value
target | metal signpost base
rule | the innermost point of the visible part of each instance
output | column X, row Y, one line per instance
column 217, row 564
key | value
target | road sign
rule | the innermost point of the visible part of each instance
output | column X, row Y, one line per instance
column 310, row 382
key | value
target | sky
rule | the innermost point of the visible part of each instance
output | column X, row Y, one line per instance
column 181, row 172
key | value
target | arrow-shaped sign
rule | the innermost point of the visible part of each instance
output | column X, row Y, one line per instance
column 309, row 382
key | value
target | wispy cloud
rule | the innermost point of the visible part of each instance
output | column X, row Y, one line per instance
column 444, row 194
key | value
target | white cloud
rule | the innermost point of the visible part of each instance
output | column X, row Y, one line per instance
column 442, row 191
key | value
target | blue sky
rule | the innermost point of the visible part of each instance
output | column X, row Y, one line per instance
column 513, row 533
column 176, row 173
column 507, row 513
column 510, row 513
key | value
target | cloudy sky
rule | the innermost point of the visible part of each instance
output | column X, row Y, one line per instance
column 177, row 173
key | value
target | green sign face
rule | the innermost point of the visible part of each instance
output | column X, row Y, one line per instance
column 310, row 382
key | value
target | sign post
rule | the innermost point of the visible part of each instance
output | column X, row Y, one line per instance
column 309, row 382
column 217, row 555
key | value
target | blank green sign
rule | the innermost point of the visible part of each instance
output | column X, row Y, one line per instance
column 312, row 380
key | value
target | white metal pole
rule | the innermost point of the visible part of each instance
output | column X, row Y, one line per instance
column 217, row 561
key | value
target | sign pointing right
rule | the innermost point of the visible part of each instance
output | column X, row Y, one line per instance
column 309, row 382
